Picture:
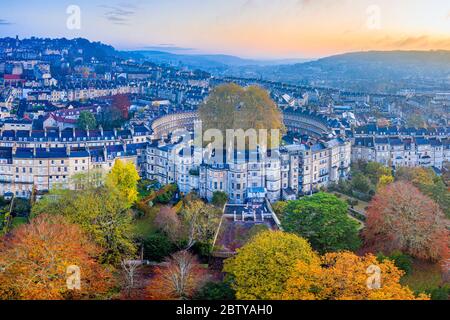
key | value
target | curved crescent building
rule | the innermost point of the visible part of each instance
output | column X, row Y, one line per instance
column 297, row 170
column 299, row 121
column 165, row 125
column 310, row 123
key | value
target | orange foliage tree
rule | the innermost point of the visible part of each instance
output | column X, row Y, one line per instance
column 401, row 218
column 344, row 276
column 180, row 277
column 122, row 103
column 34, row 261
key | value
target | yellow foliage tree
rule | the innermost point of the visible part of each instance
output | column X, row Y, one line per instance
column 231, row 106
column 418, row 176
column 124, row 177
column 344, row 276
column 384, row 181
column 261, row 268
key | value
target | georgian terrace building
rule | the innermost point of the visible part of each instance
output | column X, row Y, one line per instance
column 40, row 160
column 402, row 147
column 403, row 152
column 293, row 170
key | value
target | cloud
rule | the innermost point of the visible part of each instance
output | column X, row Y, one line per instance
column 413, row 41
column 288, row 7
column 424, row 42
column 4, row 22
column 120, row 14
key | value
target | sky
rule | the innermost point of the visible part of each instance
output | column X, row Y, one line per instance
column 262, row 29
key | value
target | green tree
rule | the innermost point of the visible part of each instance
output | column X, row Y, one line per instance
column 279, row 208
column 86, row 120
column 219, row 199
column 323, row 220
column 402, row 261
column 216, row 291
column 261, row 268
column 157, row 246
column 360, row 183
column 124, row 177
column 102, row 212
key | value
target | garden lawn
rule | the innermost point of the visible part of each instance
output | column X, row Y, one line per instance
column 144, row 226
column 424, row 276
column 361, row 206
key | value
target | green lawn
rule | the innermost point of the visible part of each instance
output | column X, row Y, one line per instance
column 361, row 224
column 142, row 227
column 17, row 221
column 425, row 276
column 361, row 206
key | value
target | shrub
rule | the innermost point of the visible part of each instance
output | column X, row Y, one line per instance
column 219, row 199
column 216, row 291
column 441, row 293
column 157, row 246
column 401, row 260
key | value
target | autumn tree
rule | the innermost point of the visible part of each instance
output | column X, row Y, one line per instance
column 346, row 276
column 231, row 106
column 86, row 120
column 200, row 222
column 260, row 269
column 35, row 258
column 401, row 218
column 323, row 220
column 129, row 271
column 124, row 177
column 115, row 115
column 384, row 181
column 180, row 277
column 375, row 171
column 122, row 103
column 415, row 120
column 168, row 222
column 196, row 224
column 428, row 183
column 102, row 212
column 110, row 118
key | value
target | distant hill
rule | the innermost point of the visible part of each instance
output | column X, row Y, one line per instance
column 208, row 62
column 367, row 71
column 372, row 71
